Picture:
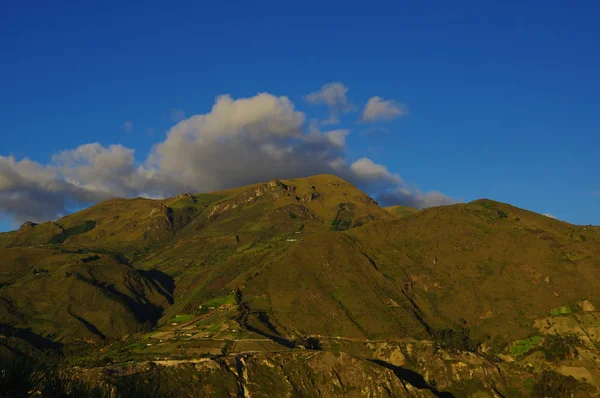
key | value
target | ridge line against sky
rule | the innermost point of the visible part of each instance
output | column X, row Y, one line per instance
column 239, row 142
column 470, row 99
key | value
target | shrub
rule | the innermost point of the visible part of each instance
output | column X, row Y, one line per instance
column 90, row 258
column 557, row 348
column 455, row 339
column 502, row 214
column 312, row 343
column 76, row 230
column 522, row 347
column 553, row 384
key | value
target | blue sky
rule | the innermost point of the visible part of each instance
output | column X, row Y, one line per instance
column 502, row 99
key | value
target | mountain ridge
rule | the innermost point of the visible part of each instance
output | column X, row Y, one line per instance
column 311, row 262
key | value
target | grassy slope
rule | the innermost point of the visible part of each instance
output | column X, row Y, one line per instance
column 497, row 266
column 204, row 245
column 402, row 211
column 235, row 238
column 75, row 296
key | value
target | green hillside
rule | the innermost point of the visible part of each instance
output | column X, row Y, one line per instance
column 402, row 211
column 270, row 270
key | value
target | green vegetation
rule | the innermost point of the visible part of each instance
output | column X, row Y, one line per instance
column 73, row 231
column 487, row 204
column 522, row 347
column 343, row 218
column 402, row 211
column 562, row 310
column 558, row 348
column 455, row 339
column 181, row 318
column 219, row 301
column 553, row 384
column 108, row 291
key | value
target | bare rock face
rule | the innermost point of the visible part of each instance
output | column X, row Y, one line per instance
column 368, row 200
column 186, row 195
column 275, row 188
column 310, row 197
column 164, row 216
column 27, row 225
column 310, row 374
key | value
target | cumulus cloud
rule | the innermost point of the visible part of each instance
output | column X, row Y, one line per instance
column 378, row 109
column 29, row 190
column 334, row 95
column 414, row 198
column 127, row 126
column 239, row 141
column 365, row 170
column 177, row 115
column 101, row 172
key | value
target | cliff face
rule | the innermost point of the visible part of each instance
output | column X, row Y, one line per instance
column 298, row 374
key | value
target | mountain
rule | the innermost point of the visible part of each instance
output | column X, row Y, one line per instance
column 272, row 284
column 402, row 211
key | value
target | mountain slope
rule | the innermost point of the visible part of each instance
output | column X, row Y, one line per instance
column 314, row 263
column 402, row 211
column 496, row 266
column 69, row 294
column 56, row 274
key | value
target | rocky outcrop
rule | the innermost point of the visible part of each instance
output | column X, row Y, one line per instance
column 274, row 188
column 294, row 374
column 160, row 209
column 163, row 216
column 368, row 200
column 27, row 225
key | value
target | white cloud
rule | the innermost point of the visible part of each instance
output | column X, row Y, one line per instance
column 239, row 141
column 127, row 126
column 177, row 115
column 379, row 109
column 29, row 190
column 334, row 95
column 366, row 170
column 337, row 137
column 101, row 172
column 550, row 216
column 415, row 198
